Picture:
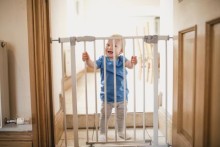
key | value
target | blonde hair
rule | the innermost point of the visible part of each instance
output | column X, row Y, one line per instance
column 120, row 38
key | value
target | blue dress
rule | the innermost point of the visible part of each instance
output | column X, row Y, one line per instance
column 110, row 79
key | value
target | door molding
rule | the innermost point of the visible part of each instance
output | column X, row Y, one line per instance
column 208, row 75
column 184, row 114
column 40, row 73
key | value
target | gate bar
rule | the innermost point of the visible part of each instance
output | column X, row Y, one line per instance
column 144, row 119
column 155, row 95
column 166, row 115
column 96, row 109
column 92, row 38
column 86, row 96
column 115, row 92
column 145, row 143
column 74, row 91
column 64, row 96
column 125, row 87
column 106, row 132
column 134, row 93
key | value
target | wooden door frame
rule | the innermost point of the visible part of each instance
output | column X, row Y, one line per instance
column 208, row 69
column 180, row 86
column 177, row 92
column 40, row 73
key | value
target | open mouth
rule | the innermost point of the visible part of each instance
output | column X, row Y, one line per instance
column 110, row 52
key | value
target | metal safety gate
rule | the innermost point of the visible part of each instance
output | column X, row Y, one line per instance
column 150, row 39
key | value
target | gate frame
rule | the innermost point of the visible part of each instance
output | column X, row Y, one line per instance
column 151, row 39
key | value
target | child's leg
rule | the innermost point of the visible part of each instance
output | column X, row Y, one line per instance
column 121, row 112
column 102, row 117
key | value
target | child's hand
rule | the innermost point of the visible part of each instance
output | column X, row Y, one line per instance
column 134, row 60
column 85, row 56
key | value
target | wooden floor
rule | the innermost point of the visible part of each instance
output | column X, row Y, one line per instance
column 111, row 137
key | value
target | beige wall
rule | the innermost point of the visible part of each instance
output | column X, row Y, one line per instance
column 188, row 14
column 58, row 24
column 13, row 30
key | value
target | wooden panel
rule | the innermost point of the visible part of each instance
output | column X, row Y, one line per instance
column 15, row 136
column 212, row 105
column 59, row 127
column 15, row 144
column 188, row 83
column 40, row 73
column 15, row 139
column 186, row 102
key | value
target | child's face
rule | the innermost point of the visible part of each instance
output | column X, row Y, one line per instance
column 110, row 50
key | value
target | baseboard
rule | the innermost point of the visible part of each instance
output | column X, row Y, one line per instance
column 162, row 124
column 58, row 127
column 129, row 121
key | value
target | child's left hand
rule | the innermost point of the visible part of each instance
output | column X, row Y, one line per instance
column 134, row 60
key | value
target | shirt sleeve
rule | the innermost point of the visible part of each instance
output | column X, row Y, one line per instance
column 122, row 58
column 99, row 62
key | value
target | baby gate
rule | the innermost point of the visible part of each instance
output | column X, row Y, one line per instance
column 150, row 39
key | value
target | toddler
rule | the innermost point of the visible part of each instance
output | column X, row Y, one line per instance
column 99, row 64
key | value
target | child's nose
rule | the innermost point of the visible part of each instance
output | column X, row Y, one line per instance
column 109, row 47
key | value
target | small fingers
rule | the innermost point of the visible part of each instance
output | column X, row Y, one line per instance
column 134, row 59
column 85, row 56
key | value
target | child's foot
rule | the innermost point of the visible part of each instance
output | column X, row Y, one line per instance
column 102, row 138
column 122, row 136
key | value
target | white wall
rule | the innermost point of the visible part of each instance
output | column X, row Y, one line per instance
column 166, row 28
column 100, row 18
column 65, row 22
column 13, row 30
column 58, row 19
column 104, row 18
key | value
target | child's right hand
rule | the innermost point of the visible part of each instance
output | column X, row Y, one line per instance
column 85, row 56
